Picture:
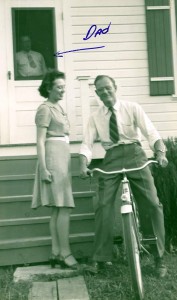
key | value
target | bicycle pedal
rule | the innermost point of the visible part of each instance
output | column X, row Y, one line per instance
column 149, row 240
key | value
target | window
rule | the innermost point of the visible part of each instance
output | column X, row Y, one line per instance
column 33, row 42
column 159, row 41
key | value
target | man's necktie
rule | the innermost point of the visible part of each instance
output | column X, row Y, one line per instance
column 31, row 61
column 113, row 128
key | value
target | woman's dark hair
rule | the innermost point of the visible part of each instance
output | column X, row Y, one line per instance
column 103, row 76
column 47, row 82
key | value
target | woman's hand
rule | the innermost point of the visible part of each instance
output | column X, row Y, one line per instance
column 46, row 176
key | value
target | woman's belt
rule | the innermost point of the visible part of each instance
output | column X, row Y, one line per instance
column 59, row 138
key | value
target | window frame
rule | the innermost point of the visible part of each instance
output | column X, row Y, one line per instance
column 173, row 20
column 14, row 29
column 159, row 47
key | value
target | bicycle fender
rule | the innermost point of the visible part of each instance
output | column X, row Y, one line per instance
column 127, row 208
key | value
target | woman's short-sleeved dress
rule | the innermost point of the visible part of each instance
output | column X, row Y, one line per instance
column 58, row 160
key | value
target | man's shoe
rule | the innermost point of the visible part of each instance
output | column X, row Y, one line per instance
column 104, row 264
column 96, row 267
column 161, row 269
column 92, row 268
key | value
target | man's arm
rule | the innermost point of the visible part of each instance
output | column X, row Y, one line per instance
column 84, row 171
column 160, row 151
column 86, row 148
column 152, row 135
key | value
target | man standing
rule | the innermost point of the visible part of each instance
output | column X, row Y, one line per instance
column 118, row 124
column 29, row 63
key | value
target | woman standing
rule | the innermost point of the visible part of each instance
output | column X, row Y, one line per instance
column 52, row 185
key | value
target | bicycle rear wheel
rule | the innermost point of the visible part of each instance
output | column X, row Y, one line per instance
column 133, row 254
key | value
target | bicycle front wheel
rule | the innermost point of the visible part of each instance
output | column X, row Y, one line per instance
column 133, row 255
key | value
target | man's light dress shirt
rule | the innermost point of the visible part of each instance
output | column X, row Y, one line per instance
column 23, row 65
column 131, row 120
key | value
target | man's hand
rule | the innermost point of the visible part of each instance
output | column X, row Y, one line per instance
column 161, row 158
column 46, row 176
column 84, row 172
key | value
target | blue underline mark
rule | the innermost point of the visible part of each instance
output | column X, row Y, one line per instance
column 59, row 53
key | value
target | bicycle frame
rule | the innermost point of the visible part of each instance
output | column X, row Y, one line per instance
column 128, row 205
column 132, row 236
column 126, row 196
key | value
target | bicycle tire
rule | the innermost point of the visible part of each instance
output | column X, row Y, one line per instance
column 133, row 255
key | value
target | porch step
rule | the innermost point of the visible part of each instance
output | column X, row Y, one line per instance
column 17, row 175
column 25, row 236
column 12, row 185
column 37, row 249
column 24, row 231
column 18, row 165
column 20, row 206
column 40, row 241
column 39, row 226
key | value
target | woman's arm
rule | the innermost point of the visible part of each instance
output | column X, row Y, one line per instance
column 41, row 137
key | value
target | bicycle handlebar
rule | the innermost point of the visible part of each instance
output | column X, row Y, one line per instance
column 124, row 170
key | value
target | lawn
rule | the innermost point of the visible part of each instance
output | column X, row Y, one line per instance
column 10, row 290
column 114, row 282
column 111, row 284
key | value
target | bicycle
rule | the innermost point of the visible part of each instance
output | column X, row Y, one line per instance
column 132, row 236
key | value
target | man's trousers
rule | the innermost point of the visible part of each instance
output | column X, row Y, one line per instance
column 144, row 191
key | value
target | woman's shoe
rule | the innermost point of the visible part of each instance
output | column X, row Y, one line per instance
column 54, row 260
column 64, row 264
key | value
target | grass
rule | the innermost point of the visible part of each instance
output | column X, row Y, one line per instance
column 10, row 290
column 114, row 282
column 111, row 284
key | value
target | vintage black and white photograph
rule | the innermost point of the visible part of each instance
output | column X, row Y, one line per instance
column 88, row 150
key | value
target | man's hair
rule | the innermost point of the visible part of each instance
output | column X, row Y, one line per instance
column 47, row 82
column 104, row 76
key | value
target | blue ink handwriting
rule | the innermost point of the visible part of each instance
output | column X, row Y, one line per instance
column 94, row 32
column 59, row 54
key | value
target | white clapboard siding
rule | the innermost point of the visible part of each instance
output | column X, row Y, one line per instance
column 144, row 101
column 156, row 107
column 135, row 90
column 160, row 116
column 105, row 40
column 114, row 46
column 105, row 20
column 124, row 57
column 112, row 55
column 126, row 28
column 122, row 73
column 118, row 64
column 100, row 11
column 105, row 3
column 168, row 125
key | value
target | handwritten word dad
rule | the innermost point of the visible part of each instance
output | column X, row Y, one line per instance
column 94, row 32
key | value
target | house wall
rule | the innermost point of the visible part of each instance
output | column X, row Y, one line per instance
column 124, row 57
